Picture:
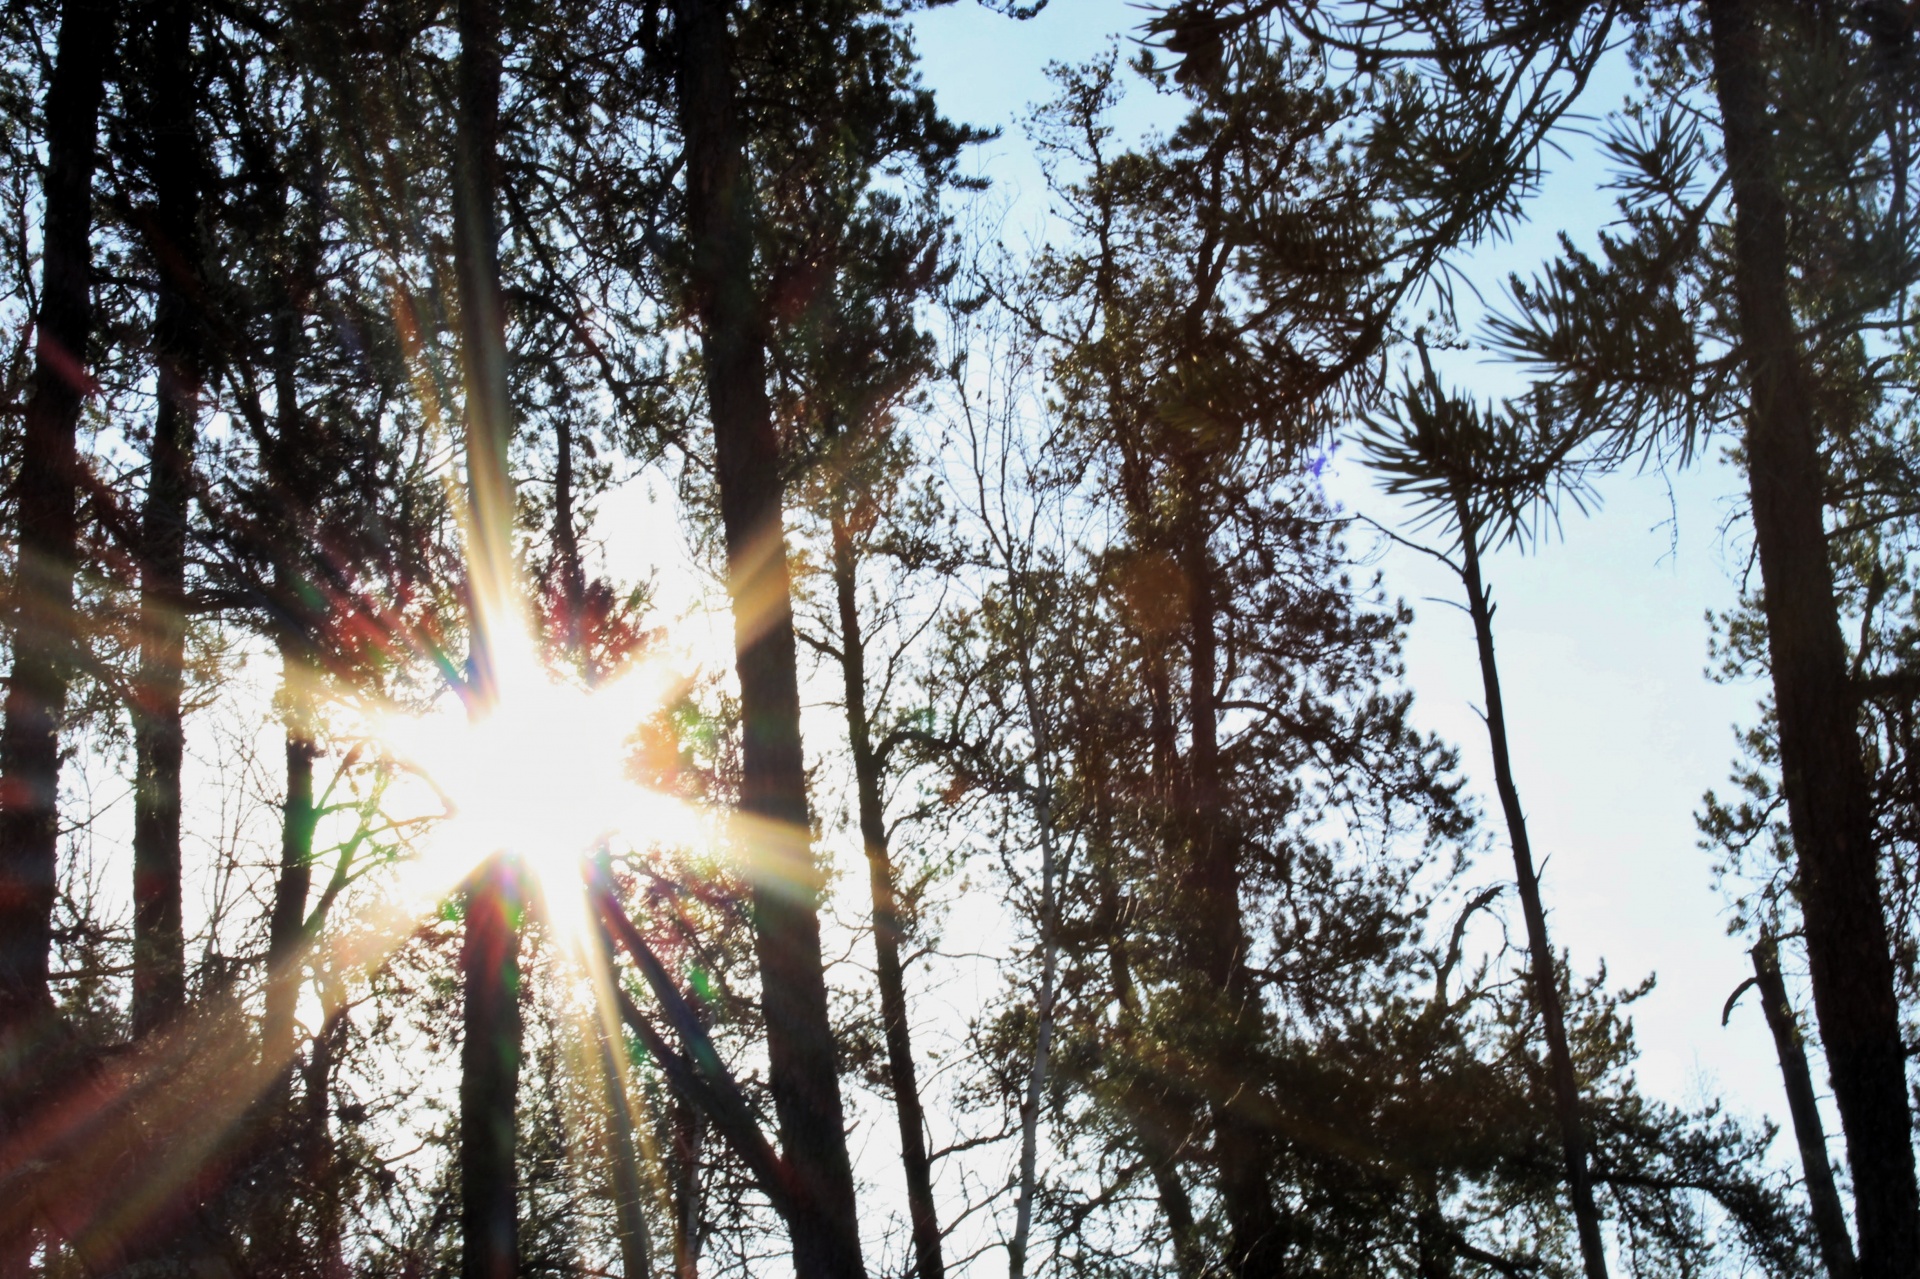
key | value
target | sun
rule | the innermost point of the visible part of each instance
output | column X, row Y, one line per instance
column 539, row 772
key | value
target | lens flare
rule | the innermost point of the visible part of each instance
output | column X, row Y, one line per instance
column 538, row 771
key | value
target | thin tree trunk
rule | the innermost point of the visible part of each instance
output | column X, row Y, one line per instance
column 629, row 1220
column 1049, row 973
column 888, row 932
column 566, row 545
column 1822, row 774
column 1176, row 1205
column 787, row 882
column 1145, row 1113
column 1433, row 1242
column 180, row 352
column 286, row 929
column 1829, row 1218
column 323, row 1176
column 1243, row 1157
column 1546, row 984
column 630, row 1223
column 42, row 622
column 689, row 1130
column 296, row 482
column 278, row 1122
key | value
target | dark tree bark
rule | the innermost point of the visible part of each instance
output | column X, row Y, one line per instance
column 630, row 1223
column 566, row 547
column 490, row 1048
column 1545, row 981
column 174, row 243
column 1822, row 774
column 1243, row 1155
column 323, row 1176
column 888, row 931
column 287, row 925
column 296, row 482
column 483, row 333
column 629, row 1196
column 800, row 1048
column 1146, row 1111
column 281, row 1120
column 42, row 623
column 1829, row 1217
column 490, row 1076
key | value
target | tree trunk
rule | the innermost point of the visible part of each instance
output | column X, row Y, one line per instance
column 1243, row 1156
column 174, row 245
column 490, row 1076
column 787, row 883
column 1043, row 1012
column 688, row 1129
column 1145, row 1112
column 483, row 337
column 1822, row 774
column 630, row 1223
column 286, row 935
column 888, row 932
column 490, row 1048
column 1829, row 1218
column 566, row 547
column 42, row 622
column 1546, row 983
column 629, row 1219
column 323, row 1174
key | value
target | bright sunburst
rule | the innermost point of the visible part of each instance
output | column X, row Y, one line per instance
column 540, row 772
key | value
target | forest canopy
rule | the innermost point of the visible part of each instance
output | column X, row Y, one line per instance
column 606, row 675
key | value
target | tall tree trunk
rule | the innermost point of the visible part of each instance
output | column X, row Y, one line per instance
column 629, row 1219
column 278, row 1123
column 296, row 481
column 888, row 932
column 483, row 335
column 688, row 1129
column 1048, row 994
column 490, row 1049
column 490, row 1076
column 1243, row 1156
column 42, row 623
column 787, row 882
column 175, row 246
column 1823, row 1197
column 1822, row 774
column 1546, row 983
